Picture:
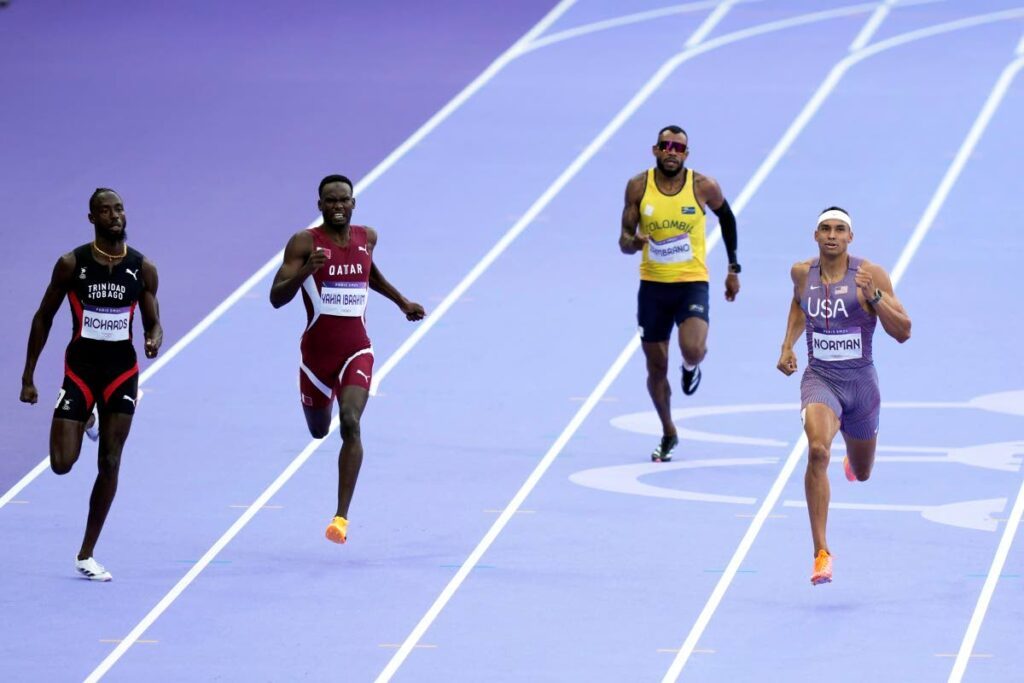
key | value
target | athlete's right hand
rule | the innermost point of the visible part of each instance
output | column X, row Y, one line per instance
column 314, row 262
column 787, row 362
column 29, row 394
column 639, row 241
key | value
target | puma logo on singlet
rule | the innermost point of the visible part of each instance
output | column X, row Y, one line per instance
column 367, row 377
column 129, row 399
column 135, row 275
column 363, row 249
column 81, row 276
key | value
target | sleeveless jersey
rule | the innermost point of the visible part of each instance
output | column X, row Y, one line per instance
column 336, row 295
column 839, row 330
column 103, row 301
column 675, row 224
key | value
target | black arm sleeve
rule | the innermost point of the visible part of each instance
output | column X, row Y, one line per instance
column 727, row 221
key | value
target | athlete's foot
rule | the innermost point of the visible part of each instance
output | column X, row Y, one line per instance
column 91, row 430
column 663, row 453
column 337, row 531
column 848, row 470
column 90, row 569
column 691, row 380
column 822, row 568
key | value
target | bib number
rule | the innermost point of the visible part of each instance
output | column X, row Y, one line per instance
column 846, row 345
column 345, row 299
column 673, row 250
column 106, row 324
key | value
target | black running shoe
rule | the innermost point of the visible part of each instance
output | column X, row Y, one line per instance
column 691, row 380
column 663, row 453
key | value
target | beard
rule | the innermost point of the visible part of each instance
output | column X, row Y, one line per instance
column 667, row 173
column 111, row 235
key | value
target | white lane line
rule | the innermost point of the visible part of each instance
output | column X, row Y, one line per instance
column 623, row 358
column 709, row 24
column 649, row 88
column 270, row 266
column 1013, row 521
column 41, row 467
column 995, row 98
column 624, row 20
column 870, row 28
column 506, row 515
column 299, row 460
column 911, row 247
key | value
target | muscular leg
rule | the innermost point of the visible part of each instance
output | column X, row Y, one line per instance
column 821, row 426
column 114, row 428
column 318, row 420
column 861, row 453
column 693, row 340
column 65, row 444
column 351, row 403
column 658, row 385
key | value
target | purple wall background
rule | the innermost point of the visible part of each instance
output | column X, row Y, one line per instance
column 214, row 121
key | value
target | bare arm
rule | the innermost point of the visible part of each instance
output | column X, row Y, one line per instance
column 379, row 284
column 872, row 279
column 795, row 320
column 300, row 261
column 150, row 308
column 629, row 241
column 60, row 283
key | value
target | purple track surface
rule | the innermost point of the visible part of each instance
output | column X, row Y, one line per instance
column 215, row 121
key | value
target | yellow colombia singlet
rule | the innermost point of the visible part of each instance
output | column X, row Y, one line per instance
column 675, row 225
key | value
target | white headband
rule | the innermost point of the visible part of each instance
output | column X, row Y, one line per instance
column 835, row 215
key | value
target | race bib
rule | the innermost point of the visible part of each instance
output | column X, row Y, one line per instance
column 106, row 324
column 673, row 250
column 346, row 299
column 845, row 345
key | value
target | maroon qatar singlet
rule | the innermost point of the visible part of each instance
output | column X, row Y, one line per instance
column 336, row 350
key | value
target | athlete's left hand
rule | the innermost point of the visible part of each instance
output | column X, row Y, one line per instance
column 413, row 311
column 153, row 346
column 732, row 286
column 865, row 281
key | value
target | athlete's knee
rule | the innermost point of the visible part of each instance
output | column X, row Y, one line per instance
column 693, row 354
column 657, row 368
column 862, row 473
column 110, row 461
column 818, row 454
column 349, row 424
column 60, row 465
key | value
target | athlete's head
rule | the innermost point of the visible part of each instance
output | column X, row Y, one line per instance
column 336, row 201
column 106, row 213
column 834, row 231
column 671, row 150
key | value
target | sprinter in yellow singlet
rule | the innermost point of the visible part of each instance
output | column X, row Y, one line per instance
column 664, row 220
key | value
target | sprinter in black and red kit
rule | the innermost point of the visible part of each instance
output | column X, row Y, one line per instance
column 332, row 265
column 104, row 281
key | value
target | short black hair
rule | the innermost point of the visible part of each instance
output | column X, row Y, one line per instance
column 672, row 129
column 96, row 195
column 835, row 208
column 335, row 178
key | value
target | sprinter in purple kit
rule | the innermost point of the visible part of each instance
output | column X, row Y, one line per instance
column 837, row 299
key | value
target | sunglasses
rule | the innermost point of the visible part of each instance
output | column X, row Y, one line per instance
column 671, row 146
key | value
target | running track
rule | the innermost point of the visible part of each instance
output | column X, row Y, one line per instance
column 499, row 532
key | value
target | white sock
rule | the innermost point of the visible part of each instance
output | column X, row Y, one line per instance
column 688, row 367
